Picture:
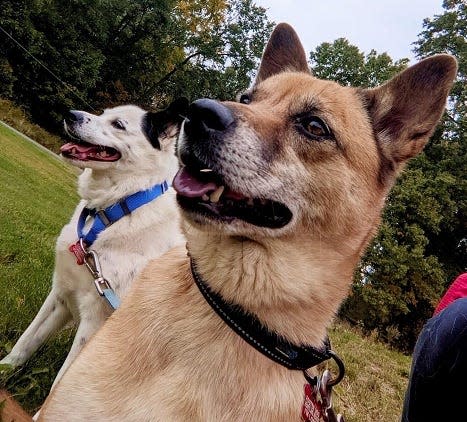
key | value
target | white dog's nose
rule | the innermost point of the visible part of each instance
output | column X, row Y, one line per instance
column 74, row 116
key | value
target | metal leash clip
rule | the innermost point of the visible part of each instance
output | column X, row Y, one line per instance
column 102, row 284
column 325, row 391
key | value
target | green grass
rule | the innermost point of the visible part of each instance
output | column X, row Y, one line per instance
column 376, row 377
column 38, row 195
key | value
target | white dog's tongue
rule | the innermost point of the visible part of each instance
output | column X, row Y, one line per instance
column 89, row 152
column 187, row 185
column 83, row 148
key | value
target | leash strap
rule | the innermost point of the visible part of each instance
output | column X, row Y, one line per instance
column 111, row 298
column 247, row 326
column 105, row 218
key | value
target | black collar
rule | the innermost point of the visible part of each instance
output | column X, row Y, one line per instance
column 276, row 348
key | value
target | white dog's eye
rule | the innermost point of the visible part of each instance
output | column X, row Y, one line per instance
column 118, row 124
column 245, row 99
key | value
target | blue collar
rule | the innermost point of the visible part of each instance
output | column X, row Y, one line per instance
column 105, row 218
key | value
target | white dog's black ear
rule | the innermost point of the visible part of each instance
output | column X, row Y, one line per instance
column 283, row 52
column 161, row 127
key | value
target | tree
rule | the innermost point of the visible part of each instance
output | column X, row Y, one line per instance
column 446, row 155
column 35, row 86
column 421, row 245
column 7, row 79
column 120, row 51
column 222, row 48
column 345, row 63
column 102, row 55
column 136, row 48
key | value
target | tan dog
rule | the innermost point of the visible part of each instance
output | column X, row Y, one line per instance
column 10, row 410
column 281, row 193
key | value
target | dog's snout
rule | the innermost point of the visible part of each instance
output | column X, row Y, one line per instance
column 205, row 115
column 74, row 116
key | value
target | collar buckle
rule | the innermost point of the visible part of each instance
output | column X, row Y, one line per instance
column 103, row 216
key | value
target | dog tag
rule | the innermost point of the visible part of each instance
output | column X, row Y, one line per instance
column 312, row 410
column 78, row 251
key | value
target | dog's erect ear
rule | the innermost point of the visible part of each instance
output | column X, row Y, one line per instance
column 161, row 127
column 405, row 110
column 284, row 51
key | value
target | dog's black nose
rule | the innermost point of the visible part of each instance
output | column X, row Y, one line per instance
column 74, row 116
column 207, row 115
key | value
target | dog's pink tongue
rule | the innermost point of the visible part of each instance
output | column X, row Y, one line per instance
column 187, row 185
column 79, row 147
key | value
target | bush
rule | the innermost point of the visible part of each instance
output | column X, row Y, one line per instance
column 16, row 117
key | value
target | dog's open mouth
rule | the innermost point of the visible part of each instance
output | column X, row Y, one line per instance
column 84, row 151
column 204, row 192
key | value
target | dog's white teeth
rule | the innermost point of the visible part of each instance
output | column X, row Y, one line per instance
column 205, row 170
column 215, row 196
column 205, row 197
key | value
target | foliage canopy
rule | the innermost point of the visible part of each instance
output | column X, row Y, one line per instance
column 90, row 54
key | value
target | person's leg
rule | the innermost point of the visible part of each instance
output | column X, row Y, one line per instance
column 437, row 387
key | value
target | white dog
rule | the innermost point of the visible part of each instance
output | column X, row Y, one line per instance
column 126, row 217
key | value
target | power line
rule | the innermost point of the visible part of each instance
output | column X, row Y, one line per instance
column 69, row 87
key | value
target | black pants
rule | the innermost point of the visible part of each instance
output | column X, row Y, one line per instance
column 437, row 388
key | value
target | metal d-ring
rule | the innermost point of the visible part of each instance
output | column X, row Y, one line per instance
column 332, row 382
column 341, row 368
column 83, row 245
column 311, row 380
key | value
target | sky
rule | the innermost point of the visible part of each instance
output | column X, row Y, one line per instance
column 383, row 25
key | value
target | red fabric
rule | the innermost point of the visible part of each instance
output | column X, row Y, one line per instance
column 457, row 290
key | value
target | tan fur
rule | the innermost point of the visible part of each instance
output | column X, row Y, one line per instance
column 10, row 410
column 165, row 355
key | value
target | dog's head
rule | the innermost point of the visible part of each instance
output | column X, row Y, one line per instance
column 122, row 138
column 302, row 155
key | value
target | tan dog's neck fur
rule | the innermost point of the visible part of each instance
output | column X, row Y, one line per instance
column 184, row 363
column 282, row 281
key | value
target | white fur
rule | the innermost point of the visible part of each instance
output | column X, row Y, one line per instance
column 123, row 248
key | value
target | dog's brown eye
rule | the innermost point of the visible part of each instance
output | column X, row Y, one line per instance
column 315, row 128
column 245, row 99
column 118, row 124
